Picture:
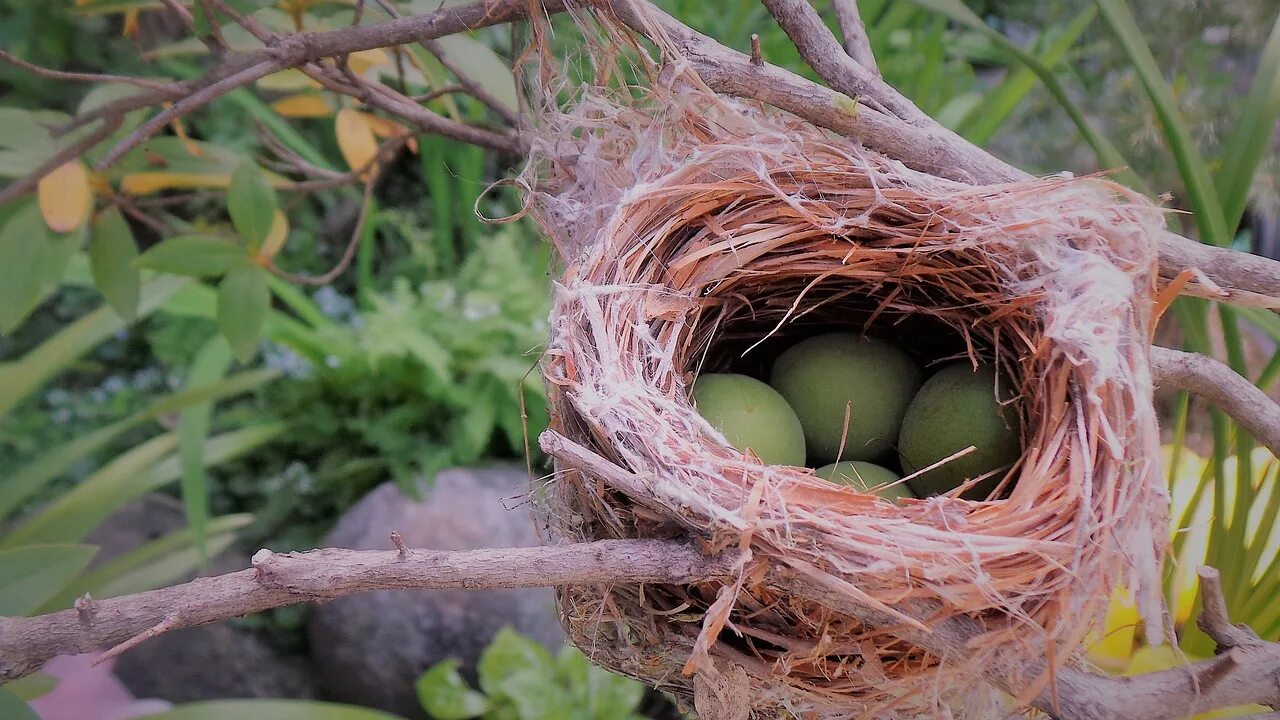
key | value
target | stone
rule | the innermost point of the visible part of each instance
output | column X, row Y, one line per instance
column 214, row 662
column 370, row 648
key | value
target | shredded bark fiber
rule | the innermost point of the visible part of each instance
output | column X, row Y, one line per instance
column 699, row 233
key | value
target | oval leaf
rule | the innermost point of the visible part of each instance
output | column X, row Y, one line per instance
column 13, row 707
column 111, row 259
column 196, row 255
column 483, row 66
column 446, row 696
column 243, row 302
column 32, row 260
column 65, row 197
column 355, row 139
column 32, row 574
column 251, row 202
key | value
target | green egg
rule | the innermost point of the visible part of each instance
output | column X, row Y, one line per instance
column 954, row 409
column 865, row 476
column 752, row 416
column 823, row 375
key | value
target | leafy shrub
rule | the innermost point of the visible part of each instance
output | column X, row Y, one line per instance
column 520, row 680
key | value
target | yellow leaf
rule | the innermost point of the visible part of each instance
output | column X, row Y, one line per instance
column 356, row 139
column 144, row 183
column 276, row 237
column 1114, row 649
column 361, row 61
column 65, row 197
column 180, row 130
column 130, row 23
column 385, row 128
column 303, row 105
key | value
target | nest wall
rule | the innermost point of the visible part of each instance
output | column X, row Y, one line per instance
column 696, row 233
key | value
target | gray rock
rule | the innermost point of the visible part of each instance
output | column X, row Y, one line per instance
column 209, row 662
column 213, row 662
column 370, row 648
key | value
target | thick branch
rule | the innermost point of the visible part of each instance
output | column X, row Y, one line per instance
column 1222, row 386
column 277, row 580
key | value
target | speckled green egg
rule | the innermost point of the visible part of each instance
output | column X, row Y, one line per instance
column 865, row 476
column 823, row 375
column 752, row 416
column 954, row 409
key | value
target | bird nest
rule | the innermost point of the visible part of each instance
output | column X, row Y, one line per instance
column 699, row 233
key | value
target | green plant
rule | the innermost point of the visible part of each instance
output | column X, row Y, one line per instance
column 519, row 679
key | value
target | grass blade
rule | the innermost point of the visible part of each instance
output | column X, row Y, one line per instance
column 1251, row 141
column 210, row 365
column 1201, row 194
column 150, row 466
column 33, row 476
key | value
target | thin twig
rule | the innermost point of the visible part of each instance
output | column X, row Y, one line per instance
column 65, row 155
column 218, row 43
column 438, row 92
column 856, row 42
column 184, row 106
column 168, row 88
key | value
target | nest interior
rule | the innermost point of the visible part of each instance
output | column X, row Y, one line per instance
column 702, row 233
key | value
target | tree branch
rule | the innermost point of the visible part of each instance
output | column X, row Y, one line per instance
column 1222, row 386
column 277, row 580
column 856, row 42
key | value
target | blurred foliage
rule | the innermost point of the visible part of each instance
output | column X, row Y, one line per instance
column 521, row 679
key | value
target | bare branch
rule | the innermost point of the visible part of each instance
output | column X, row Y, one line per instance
column 171, row 90
column 1213, row 618
column 70, row 152
column 856, row 42
column 277, row 580
column 1222, row 386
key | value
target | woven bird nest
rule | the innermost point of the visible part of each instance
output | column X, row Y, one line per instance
column 698, row 233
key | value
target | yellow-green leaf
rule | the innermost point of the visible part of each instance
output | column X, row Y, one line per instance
column 195, row 255
column 112, row 253
column 243, row 302
column 251, row 202
column 145, row 183
column 32, row 259
column 32, row 574
column 65, row 197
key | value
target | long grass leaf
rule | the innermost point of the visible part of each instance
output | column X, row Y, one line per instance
column 1251, row 140
column 210, row 365
column 1201, row 194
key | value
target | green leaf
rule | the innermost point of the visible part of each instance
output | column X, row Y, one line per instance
column 1108, row 156
column 210, row 365
column 147, row 467
column 446, row 696
column 25, row 143
column 155, row 564
column 1251, row 140
column 111, row 258
column 270, row 710
column 194, row 255
column 251, row 202
column 32, row 574
column 984, row 120
column 534, row 697
column 509, row 653
column 1191, row 166
column 32, row 260
column 53, row 356
column 482, row 65
column 243, row 302
column 13, row 707
column 30, row 478
column 33, row 686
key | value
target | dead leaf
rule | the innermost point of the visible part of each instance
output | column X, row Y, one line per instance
column 356, row 139
column 303, row 105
